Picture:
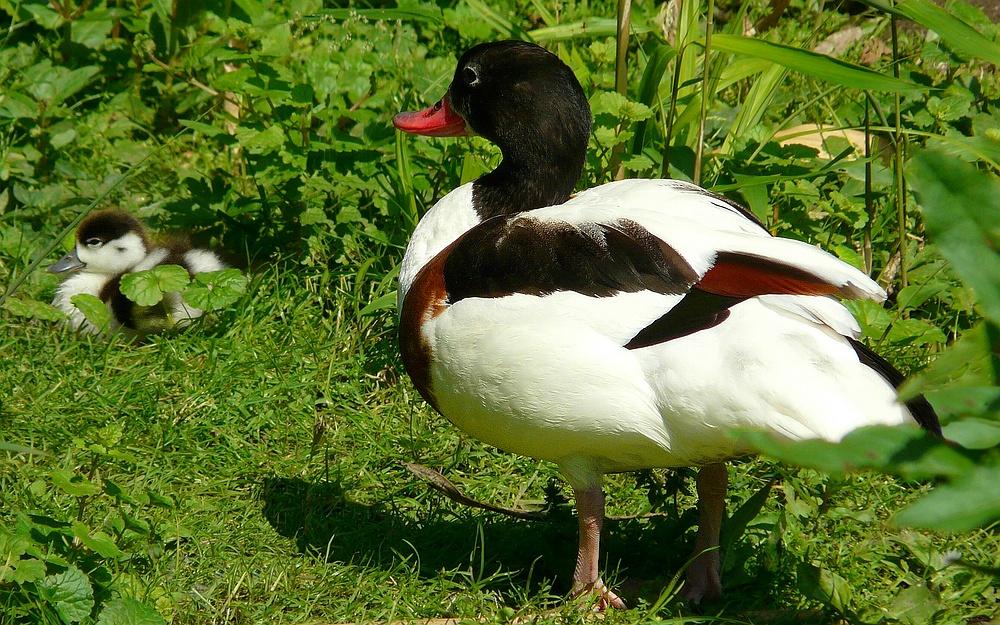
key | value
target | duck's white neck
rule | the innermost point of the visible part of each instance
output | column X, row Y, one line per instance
column 450, row 218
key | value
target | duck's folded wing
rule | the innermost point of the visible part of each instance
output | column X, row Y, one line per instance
column 537, row 254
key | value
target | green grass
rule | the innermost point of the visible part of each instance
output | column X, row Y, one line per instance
column 250, row 470
column 275, row 434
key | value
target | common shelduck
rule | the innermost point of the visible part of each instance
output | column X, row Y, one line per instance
column 630, row 326
column 110, row 244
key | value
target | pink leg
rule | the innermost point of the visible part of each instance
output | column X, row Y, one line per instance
column 586, row 580
column 704, row 573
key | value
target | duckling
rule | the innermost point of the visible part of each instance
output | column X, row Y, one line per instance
column 111, row 244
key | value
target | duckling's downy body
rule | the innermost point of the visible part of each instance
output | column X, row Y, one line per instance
column 111, row 244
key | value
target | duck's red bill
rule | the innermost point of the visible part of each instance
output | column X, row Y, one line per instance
column 437, row 121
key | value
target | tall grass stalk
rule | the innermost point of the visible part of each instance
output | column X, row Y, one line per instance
column 621, row 77
column 900, row 182
column 706, row 69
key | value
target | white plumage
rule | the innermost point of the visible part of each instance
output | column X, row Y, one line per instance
column 633, row 325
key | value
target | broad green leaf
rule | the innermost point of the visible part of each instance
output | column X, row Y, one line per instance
column 973, row 433
column 33, row 309
column 44, row 16
column 960, row 506
column 93, row 309
column 966, row 400
column 70, row 593
column 823, row 585
column 73, row 484
column 914, row 605
column 146, row 288
column 969, row 361
column 213, row 290
column 157, row 499
column 98, row 542
column 72, row 82
column 129, row 612
column 116, row 491
column 905, row 451
column 21, row 570
column 263, row 140
column 961, row 209
column 813, row 64
column 738, row 522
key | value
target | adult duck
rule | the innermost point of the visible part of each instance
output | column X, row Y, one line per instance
column 630, row 326
column 111, row 244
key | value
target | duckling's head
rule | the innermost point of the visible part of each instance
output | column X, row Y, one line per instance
column 108, row 243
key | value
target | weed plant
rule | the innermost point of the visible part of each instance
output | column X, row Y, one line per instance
column 250, row 470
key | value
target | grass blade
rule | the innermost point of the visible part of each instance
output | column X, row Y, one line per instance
column 414, row 13
column 649, row 86
column 813, row 64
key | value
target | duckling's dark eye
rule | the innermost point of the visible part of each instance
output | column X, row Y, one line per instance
column 93, row 242
column 470, row 76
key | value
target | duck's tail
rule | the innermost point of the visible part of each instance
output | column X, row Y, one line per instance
column 919, row 407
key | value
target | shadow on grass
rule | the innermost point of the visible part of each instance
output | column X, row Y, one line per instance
column 325, row 522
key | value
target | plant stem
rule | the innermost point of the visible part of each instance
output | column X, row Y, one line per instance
column 869, row 202
column 621, row 78
column 706, row 66
column 898, row 160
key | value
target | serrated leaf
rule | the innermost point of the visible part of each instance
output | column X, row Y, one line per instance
column 213, row 290
column 98, row 542
column 72, row 484
column 129, row 612
column 70, row 593
column 146, row 288
column 33, row 309
column 25, row 570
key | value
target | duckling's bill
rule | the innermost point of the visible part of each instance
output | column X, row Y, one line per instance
column 67, row 264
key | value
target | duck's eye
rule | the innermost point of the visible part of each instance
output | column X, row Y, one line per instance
column 470, row 76
column 93, row 242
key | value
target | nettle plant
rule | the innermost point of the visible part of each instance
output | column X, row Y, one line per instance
column 69, row 571
column 208, row 291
